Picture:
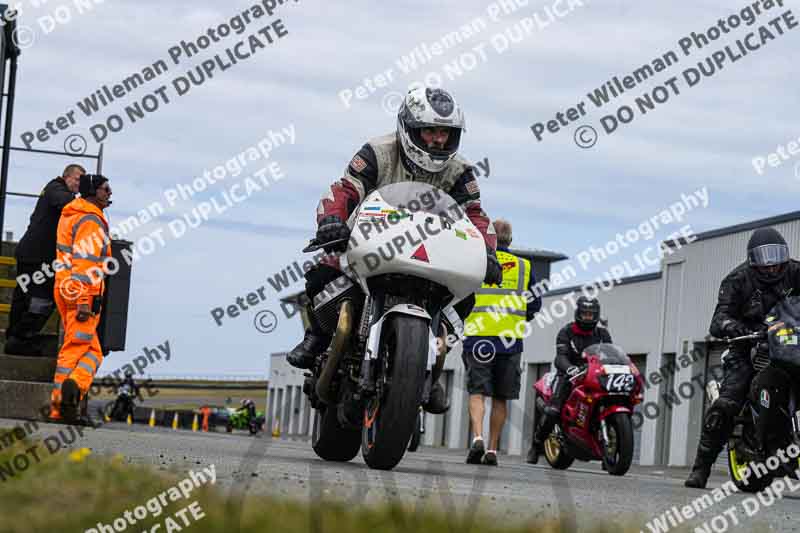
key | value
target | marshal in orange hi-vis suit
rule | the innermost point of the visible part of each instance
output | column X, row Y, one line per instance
column 81, row 249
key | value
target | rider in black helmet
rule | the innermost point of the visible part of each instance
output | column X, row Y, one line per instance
column 570, row 343
column 745, row 297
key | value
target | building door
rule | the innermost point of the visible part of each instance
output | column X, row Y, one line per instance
column 279, row 410
column 270, row 409
column 297, row 399
column 664, row 421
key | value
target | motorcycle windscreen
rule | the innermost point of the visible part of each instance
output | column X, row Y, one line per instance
column 415, row 229
column 784, row 332
column 608, row 354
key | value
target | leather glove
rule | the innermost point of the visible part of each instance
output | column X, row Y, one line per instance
column 735, row 329
column 331, row 228
column 573, row 371
column 494, row 273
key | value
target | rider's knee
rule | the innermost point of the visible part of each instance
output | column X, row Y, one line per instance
column 720, row 414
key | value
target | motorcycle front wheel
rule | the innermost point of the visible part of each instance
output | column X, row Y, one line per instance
column 738, row 459
column 389, row 421
column 618, row 451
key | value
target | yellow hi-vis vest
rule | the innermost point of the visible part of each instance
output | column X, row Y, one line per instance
column 501, row 311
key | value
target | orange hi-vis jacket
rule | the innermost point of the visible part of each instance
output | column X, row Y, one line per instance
column 82, row 244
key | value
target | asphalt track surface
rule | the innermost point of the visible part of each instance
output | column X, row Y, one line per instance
column 430, row 478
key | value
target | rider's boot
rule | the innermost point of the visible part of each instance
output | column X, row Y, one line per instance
column 551, row 415
column 534, row 452
column 701, row 469
column 314, row 342
column 717, row 427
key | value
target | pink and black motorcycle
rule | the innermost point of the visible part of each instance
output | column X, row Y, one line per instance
column 595, row 420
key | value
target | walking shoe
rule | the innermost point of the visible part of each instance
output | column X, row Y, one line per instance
column 476, row 451
column 490, row 458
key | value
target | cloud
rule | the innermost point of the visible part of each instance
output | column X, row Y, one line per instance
column 558, row 196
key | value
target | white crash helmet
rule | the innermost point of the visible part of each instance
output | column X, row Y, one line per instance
column 425, row 107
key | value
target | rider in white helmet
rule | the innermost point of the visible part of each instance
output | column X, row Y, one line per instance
column 424, row 148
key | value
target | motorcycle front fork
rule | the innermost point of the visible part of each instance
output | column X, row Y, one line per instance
column 604, row 429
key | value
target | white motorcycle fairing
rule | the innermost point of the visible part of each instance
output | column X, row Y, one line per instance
column 431, row 245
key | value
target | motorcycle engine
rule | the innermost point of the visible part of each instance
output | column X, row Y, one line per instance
column 327, row 302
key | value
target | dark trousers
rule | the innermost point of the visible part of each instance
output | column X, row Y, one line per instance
column 737, row 371
column 30, row 309
column 562, row 387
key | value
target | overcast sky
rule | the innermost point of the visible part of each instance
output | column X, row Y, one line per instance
column 558, row 196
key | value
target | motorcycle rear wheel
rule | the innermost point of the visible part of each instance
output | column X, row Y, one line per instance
column 555, row 451
column 330, row 440
column 389, row 421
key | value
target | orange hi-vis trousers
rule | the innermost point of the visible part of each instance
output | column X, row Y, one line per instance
column 80, row 356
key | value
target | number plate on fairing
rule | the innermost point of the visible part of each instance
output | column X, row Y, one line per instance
column 618, row 383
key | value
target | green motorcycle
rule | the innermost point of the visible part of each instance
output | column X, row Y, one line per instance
column 241, row 419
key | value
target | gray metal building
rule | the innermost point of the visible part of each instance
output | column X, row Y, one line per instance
column 660, row 318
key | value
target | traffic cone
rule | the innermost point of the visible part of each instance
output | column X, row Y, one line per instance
column 194, row 423
column 175, row 421
column 152, row 421
column 276, row 428
column 129, row 419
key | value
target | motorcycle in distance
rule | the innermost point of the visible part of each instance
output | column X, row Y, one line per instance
column 239, row 419
column 412, row 254
column 596, row 417
column 743, row 443
column 119, row 408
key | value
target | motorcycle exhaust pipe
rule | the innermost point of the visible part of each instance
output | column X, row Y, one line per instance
column 343, row 329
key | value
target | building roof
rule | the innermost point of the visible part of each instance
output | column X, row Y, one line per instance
column 541, row 255
column 622, row 281
column 738, row 228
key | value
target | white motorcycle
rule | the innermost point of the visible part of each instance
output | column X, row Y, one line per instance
column 411, row 255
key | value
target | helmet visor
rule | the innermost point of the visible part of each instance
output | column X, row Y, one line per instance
column 768, row 255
